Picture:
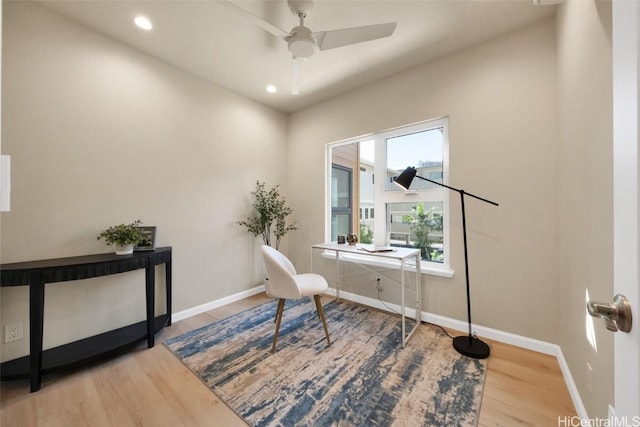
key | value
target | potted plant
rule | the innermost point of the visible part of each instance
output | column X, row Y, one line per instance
column 271, row 215
column 421, row 225
column 123, row 236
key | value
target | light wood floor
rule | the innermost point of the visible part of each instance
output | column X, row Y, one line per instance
column 151, row 387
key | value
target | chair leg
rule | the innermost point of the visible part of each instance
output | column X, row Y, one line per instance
column 278, row 320
column 316, row 298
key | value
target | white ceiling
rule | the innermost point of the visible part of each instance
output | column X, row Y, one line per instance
column 209, row 40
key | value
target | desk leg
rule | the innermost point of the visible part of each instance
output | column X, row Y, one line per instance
column 418, row 290
column 150, row 277
column 167, row 281
column 36, row 329
column 402, row 306
column 418, row 302
column 338, row 284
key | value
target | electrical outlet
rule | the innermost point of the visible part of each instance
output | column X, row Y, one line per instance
column 13, row 332
column 589, row 377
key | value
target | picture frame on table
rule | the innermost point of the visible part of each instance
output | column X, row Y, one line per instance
column 148, row 242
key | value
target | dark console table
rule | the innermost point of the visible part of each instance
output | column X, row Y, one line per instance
column 36, row 274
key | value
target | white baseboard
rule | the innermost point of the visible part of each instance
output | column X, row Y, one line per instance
column 216, row 303
column 481, row 331
column 571, row 385
column 494, row 334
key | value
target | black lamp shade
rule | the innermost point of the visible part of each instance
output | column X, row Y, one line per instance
column 469, row 346
column 406, row 177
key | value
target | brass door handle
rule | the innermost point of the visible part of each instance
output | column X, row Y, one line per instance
column 617, row 315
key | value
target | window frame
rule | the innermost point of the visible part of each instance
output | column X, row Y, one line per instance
column 342, row 210
column 382, row 196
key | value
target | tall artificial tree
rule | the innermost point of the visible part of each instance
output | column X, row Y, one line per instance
column 271, row 212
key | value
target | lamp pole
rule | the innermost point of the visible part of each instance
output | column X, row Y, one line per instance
column 467, row 345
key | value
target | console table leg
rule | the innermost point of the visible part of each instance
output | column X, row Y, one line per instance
column 36, row 329
column 151, row 288
column 167, row 269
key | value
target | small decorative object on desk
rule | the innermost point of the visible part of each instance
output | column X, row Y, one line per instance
column 352, row 239
column 341, row 239
column 124, row 237
column 148, row 240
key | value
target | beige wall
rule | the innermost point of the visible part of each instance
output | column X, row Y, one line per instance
column 585, row 196
column 100, row 134
column 500, row 98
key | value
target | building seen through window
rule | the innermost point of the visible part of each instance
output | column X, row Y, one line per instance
column 414, row 219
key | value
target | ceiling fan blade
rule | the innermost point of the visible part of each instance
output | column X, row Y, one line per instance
column 268, row 27
column 346, row 36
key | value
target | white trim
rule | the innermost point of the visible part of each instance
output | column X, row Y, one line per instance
column 383, row 197
column 571, row 385
column 458, row 325
column 193, row 311
column 626, row 200
column 493, row 334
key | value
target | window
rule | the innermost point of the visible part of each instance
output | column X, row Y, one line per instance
column 417, row 218
column 341, row 201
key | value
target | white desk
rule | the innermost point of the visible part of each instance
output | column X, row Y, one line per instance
column 400, row 256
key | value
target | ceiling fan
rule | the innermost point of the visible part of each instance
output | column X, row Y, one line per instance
column 302, row 42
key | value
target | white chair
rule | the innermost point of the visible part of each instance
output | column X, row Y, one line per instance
column 284, row 283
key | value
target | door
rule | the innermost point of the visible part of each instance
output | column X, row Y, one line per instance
column 626, row 197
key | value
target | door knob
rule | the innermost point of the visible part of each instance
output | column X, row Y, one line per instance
column 616, row 315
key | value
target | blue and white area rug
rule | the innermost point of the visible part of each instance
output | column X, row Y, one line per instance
column 365, row 378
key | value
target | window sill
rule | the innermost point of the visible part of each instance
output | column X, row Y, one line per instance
column 425, row 268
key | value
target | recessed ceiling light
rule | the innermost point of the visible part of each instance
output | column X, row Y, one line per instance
column 272, row 89
column 143, row 22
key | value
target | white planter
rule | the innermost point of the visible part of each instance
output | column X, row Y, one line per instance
column 124, row 249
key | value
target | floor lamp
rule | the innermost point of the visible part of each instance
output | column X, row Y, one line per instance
column 469, row 346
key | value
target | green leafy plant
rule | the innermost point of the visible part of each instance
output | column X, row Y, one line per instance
column 123, row 234
column 366, row 235
column 271, row 215
column 421, row 224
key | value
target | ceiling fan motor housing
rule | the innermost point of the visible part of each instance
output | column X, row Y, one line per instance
column 301, row 42
column 297, row 6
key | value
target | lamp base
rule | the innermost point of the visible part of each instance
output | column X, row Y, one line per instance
column 472, row 347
